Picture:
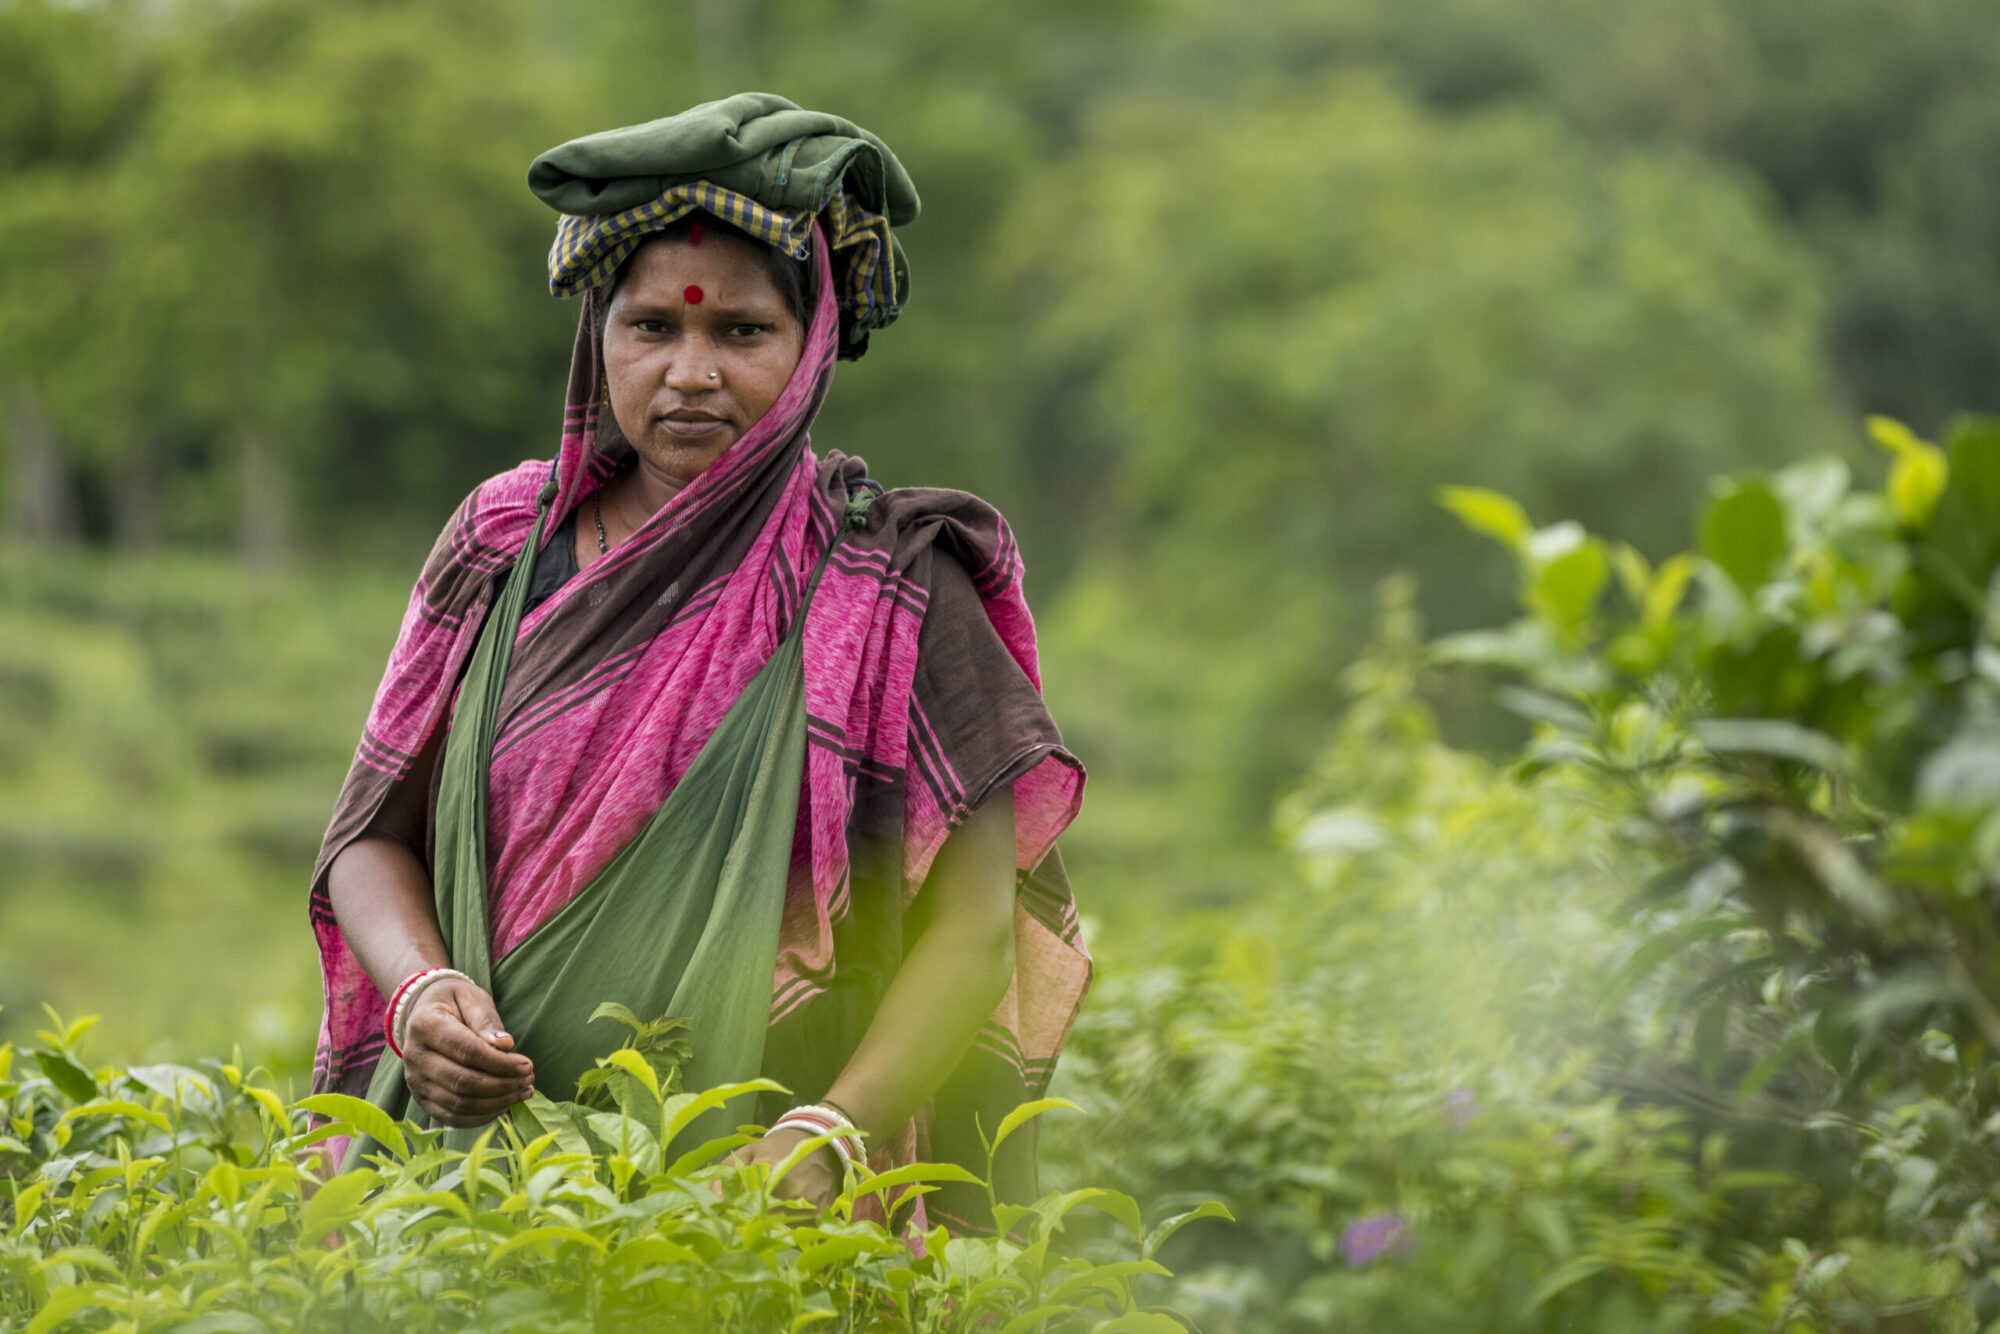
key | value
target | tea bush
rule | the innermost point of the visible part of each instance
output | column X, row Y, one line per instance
column 173, row 1197
column 1680, row 1018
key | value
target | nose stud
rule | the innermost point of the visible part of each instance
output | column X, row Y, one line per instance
column 713, row 376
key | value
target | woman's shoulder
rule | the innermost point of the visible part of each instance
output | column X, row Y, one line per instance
column 909, row 520
column 482, row 537
column 494, row 518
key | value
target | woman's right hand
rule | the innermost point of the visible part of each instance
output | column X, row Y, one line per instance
column 459, row 1060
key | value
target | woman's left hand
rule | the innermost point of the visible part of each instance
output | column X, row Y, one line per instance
column 815, row 1180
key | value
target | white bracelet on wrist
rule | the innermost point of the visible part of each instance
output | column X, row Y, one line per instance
column 818, row 1120
column 407, row 1003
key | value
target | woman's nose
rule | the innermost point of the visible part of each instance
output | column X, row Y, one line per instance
column 692, row 371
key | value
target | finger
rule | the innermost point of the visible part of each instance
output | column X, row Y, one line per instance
column 476, row 1011
column 456, row 1108
column 437, row 1026
column 445, row 1079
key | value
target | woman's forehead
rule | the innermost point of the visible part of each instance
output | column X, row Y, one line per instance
column 727, row 267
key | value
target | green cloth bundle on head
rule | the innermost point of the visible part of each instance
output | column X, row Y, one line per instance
column 759, row 162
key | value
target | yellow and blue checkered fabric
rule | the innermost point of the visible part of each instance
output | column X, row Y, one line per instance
column 588, row 248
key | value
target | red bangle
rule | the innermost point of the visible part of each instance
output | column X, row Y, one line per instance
column 389, row 1015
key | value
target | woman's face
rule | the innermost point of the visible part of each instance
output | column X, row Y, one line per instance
column 688, row 377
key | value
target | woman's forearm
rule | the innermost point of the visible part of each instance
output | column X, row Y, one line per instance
column 948, row 983
column 380, row 888
column 383, row 901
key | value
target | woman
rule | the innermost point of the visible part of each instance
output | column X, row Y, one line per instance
column 694, row 721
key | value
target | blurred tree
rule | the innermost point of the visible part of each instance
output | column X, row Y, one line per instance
column 1292, row 319
column 310, row 265
column 1870, row 120
column 372, row 314
column 75, row 83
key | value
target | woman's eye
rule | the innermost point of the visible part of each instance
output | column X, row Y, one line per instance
column 746, row 330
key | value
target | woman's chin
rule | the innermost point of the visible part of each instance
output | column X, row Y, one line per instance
column 685, row 460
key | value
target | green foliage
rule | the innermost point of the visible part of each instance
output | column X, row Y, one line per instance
column 1685, row 1018
column 1466, row 1071
column 1362, row 295
column 1805, row 747
column 171, row 738
column 184, row 1198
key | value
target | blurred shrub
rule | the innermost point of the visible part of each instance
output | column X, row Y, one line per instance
column 164, row 782
column 1685, row 1019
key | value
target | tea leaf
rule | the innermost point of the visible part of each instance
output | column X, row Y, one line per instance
column 66, row 1302
column 1743, row 531
column 1158, row 1236
column 623, row 1014
column 364, row 1116
column 225, row 1322
column 1023, row 1114
column 916, row 1172
column 273, row 1106
column 628, row 1060
column 74, row 1081
column 544, row 1239
column 335, row 1203
column 684, row 1116
column 838, row 1250
column 1140, row 1322
column 118, row 1108
column 1034, row 1318
column 27, row 1204
column 703, row 1154
column 1490, row 514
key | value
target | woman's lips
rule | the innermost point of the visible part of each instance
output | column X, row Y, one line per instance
column 692, row 427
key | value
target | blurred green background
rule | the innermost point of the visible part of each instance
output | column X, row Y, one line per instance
column 1209, row 297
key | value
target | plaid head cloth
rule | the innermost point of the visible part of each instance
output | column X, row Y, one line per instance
column 589, row 248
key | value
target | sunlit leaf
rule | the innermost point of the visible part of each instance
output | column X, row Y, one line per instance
column 1918, row 474
column 336, row 1203
column 1743, row 531
column 1168, row 1227
column 915, row 1173
column 363, row 1115
column 1023, row 1114
column 685, row 1114
column 1489, row 514
column 1140, row 1322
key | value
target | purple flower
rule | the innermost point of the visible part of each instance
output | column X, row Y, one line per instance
column 1461, row 1105
column 1369, row 1239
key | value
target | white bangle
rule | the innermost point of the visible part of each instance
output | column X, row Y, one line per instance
column 817, row 1120
column 409, row 1001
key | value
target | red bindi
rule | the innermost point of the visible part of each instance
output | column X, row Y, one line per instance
column 692, row 296
column 694, row 232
